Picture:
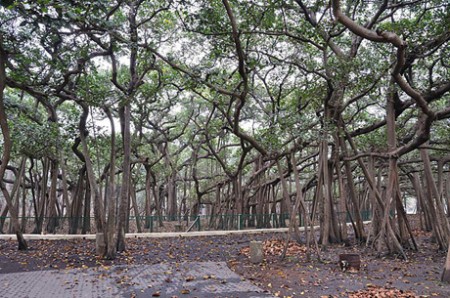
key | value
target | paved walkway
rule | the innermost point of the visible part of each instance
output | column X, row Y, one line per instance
column 191, row 279
column 198, row 279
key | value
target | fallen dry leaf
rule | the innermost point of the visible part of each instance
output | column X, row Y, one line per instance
column 375, row 291
column 190, row 278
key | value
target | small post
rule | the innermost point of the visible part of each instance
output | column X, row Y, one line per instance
column 100, row 245
column 239, row 222
column 350, row 262
column 256, row 252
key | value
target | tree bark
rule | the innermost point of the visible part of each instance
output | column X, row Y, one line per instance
column 445, row 277
column 7, row 146
column 93, row 186
column 77, row 202
column 51, row 207
column 110, row 237
column 359, row 226
column 440, row 223
column 126, row 175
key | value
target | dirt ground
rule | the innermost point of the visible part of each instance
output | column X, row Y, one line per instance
column 387, row 276
column 294, row 276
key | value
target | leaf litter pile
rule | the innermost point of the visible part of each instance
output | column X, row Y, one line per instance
column 379, row 277
column 294, row 276
column 379, row 292
column 275, row 247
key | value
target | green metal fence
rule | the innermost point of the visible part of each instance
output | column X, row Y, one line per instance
column 155, row 224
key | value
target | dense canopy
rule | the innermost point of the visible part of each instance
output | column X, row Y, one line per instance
column 255, row 113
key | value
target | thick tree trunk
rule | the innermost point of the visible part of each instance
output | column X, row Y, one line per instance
column 93, row 186
column 171, row 195
column 148, row 197
column 394, row 190
column 376, row 208
column 342, row 203
column 15, row 191
column 135, row 209
column 75, row 210
column 3, row 215
column 440, row 223
column 86, row 224
column 110, row 193
column 7, row 146
column 335, row 204
column 447, row 192
column 159, row 194
column 445, row 277
column 52, row 221
column 23, row 222
column 387, row 233
column 293, row 225
column 125, row 122
column 324, row 194
column 65, row 189
column 126, row 175
column 424, row 208
column 360, row 233
column 42, row 197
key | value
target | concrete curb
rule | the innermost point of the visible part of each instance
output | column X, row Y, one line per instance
column 143, row 235
column 153, row 235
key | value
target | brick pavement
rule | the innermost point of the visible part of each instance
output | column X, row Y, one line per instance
column 193, row 279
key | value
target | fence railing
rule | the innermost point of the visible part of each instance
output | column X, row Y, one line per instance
column 155, row 224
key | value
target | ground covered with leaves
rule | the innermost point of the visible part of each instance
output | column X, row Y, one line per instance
column 294, row 276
